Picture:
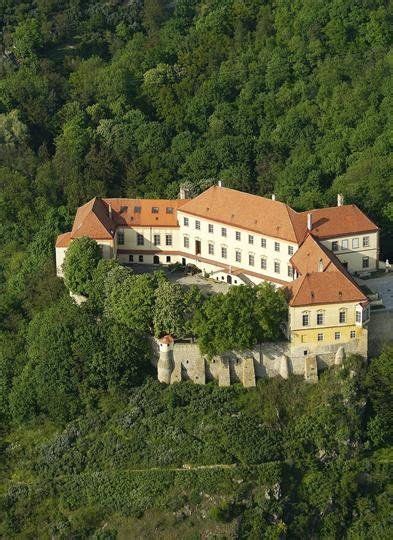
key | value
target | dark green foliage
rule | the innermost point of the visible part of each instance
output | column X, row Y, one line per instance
column 240, row 319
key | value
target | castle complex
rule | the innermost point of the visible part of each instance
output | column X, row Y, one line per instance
column 239, row 238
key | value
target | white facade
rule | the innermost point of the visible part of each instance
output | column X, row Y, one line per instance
column 358, row 253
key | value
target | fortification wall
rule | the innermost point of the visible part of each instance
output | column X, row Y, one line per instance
column 380, row 330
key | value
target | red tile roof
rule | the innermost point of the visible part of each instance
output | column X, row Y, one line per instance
column 323, row 279
column 63, row 240
column 246, row 211
column 165, row 212
column 93, row 220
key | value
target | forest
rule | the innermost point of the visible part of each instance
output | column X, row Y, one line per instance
column 114, row 98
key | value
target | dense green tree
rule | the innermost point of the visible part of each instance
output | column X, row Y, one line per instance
column 80, row 261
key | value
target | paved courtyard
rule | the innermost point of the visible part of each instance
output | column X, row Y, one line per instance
column 382, row 285
column 207, row 286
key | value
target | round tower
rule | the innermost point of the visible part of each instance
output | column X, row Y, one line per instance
column 165, row 361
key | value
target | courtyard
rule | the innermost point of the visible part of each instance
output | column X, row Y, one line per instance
column 383, row 285
column 206, row 285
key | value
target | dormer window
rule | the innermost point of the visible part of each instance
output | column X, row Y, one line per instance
column 137, row 209
column 123, row 209
column 169, row 210
column 154, row 210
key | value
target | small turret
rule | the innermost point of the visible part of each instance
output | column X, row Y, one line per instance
column 165, row 361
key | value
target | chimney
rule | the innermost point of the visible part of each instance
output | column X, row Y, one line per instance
column 110, row 210
column 340, row 199
column 220, row 183
column 184, row 192
column 320, row 265
column 273, row 197
column 309, row 221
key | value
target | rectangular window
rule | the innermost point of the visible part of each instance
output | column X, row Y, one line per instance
column 344, row 244
column 342, row 316
column 365, row 262
column 250, row 239
column 251, row 259
column 366, row 241
column 223, row 231
column 238, row 256
column 140, row 258
column 223, row 252
column 130, row 258
column 355, row 243
column 358, row 317
column 305, row 319
column 154, row 210
column 169, row 210
column 263, row 242
column 263, row 263
column 319, row 318
column 197, row 224
column 337, row 335
column 320, row 337
column 168, row 239
column 186, row 221
column 186, row 242
column 276, row 246
column 120, row 238
column 157, row 239
column 276, row 267
column 168, row 258
column 139, row 239
column 290, row 250
column 211, row 249
column 353, row 334
column 137, row 209
column 238, row 235
column 335, row 245
column 290, row 271
column 211, row 228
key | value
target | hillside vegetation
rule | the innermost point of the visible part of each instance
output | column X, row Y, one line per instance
column 132, row 99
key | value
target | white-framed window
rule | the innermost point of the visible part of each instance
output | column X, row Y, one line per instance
column 223, row 232
column 344, row 244
column 365, row 262
column 169, row 209
column 197, row 224
column 290, row 250
column 250, row 239
column 320, row 318
column 154, row 210
column 238, row 235
column 263, row 242
column 251, row 259
column 305, row 319
column 320, row 337
column 224, row 252
column 342, row 316
column 157, row 239
column 168, row 239
column 334, row 245
column 353, row 334
column 211, row 248
column 168, row 259
column 276, row 246
column 277, row 267
column 238, row 256
column 139, row 239
column 358, row 316
column 186, row 242
column 120, row 238
column 211, row 228
column 186, row 221
column 290, row 271
column 355, row 243
column 366, row 241
column 337, row 336
column 263, row 263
